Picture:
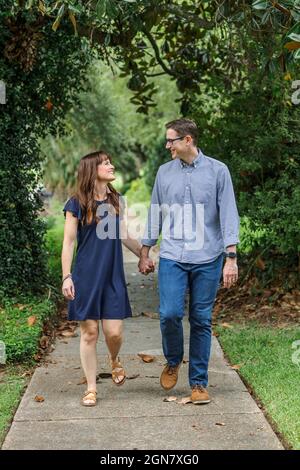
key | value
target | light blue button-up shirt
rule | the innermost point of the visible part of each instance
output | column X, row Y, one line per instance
column 194, row 208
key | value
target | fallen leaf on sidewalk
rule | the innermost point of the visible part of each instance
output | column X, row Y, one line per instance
column 168, row 399
column 39, row 398
column 104, row 375
column 236, row 367
column 146, row 357
column 220, row 424
column 31, row 320
column 184, row 401
column 26, row 374
column 82, row 381
column 67, row 326
column 153, row 315
column 44, row 342
column 135, row 376
column 68, row 334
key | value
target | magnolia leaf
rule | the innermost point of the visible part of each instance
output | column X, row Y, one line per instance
column 169, row 399
column 297, row 54
column 291, row 46
column 294, row 37
column 146, row 357
column 39, row 398
column 42, row 7
column 134, row 376
column 68, row 334
column 73, row 21
column 260, row 5
column 184, row 401
column 59, row 17
column 31, row 320
column 82, row 381
column 101, row 8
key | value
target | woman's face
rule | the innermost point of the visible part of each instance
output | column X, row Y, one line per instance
column 105, row 171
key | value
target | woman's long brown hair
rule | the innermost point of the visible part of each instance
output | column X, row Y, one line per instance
column 85, row 192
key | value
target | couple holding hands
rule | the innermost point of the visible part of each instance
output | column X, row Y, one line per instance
column 193, row 207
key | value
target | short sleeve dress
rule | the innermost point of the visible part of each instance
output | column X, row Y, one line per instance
column 98, row 272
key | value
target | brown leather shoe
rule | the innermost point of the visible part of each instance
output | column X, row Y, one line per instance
column 199, row 395
column 169, row 376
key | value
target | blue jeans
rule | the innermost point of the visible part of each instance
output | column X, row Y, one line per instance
column 203, row 281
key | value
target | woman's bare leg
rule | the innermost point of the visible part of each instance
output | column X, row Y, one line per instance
column 89, row 335
column 113, row 331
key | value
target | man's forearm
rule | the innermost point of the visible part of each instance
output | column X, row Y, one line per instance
column 145, row 251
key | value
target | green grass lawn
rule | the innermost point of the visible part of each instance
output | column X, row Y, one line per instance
column 267, row 359
column 12, row 384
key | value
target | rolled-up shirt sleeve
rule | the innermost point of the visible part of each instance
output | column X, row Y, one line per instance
column 228, row 213
column 154, row 220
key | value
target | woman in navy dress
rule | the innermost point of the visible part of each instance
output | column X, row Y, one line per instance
column 96, row 288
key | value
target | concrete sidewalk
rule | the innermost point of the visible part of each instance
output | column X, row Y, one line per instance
column 135, row 416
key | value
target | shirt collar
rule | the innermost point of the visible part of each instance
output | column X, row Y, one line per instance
column 195, row 163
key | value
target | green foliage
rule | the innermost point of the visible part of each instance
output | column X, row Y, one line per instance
column 251, row 235
column 95, row 122
column 221, row 48
column 36, row 103
column 186, row 40
column 21, row 340
column 54, row 239
column 157, row 157
column 138, row 192
column 105, row 118
column 256, row 132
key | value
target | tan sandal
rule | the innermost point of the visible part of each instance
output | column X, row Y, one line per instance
column 89, row 398
column 117, row 371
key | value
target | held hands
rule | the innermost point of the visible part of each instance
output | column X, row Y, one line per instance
column 68, row 289
column 230, row 273
column 146, row 265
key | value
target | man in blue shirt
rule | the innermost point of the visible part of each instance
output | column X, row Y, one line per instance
column 193, row 207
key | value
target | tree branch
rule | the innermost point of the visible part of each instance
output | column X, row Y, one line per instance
column 281, row 8
column 157, row 53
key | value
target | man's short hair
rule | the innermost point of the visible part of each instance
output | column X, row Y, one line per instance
column 184, row 127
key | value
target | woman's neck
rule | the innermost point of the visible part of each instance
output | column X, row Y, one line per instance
column 100, row 191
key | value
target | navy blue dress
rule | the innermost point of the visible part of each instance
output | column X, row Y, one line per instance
column 98, row 272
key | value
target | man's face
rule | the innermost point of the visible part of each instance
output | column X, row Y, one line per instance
column 177, row 147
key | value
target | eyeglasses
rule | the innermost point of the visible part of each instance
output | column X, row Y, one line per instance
column 171, row 141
